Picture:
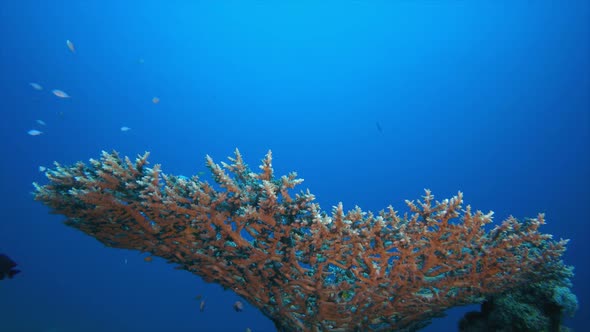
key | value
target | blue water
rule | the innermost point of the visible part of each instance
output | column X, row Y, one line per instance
column 369, row 101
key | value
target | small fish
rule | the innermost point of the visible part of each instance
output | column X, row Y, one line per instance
column 155, row 100
column 42, row 168
column 34, row 132
column 123, row 129
column 202, row 306
column 238, row 306
column 141, row 61
column 41, row 122
column 379, row 127
column 248, row 329
column 36, row 86
column 198, row 297
column 71, row 46
column 125, row 261
column 60, row 93
column 148, row 259
column 7, row 267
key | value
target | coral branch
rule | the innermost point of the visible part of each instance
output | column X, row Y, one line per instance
column 305, row 269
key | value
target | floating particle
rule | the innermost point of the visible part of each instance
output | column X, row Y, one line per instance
column 71, row 46
column 41, row 122
column 34, row 132
column 125, row 128
column 36, row 86
column 60, row 93
column 155, row 100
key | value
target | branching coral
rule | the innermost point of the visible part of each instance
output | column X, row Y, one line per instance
column 303, row 268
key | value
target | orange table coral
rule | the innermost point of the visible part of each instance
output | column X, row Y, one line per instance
column 305, row 269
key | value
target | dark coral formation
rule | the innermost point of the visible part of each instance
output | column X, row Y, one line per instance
column 533, row 307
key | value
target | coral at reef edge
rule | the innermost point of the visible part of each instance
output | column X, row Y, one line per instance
column 305, row 269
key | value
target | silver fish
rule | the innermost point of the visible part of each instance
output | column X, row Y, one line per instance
column 34, row 132
column 36, row 86
column 71, row 46
column 60, row 93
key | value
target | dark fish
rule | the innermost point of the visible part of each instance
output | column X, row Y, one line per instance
column 7, row 266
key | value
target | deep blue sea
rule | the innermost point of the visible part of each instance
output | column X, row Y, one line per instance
column 370, row 102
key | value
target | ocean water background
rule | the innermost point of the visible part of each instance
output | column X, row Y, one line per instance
column 369, row 101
